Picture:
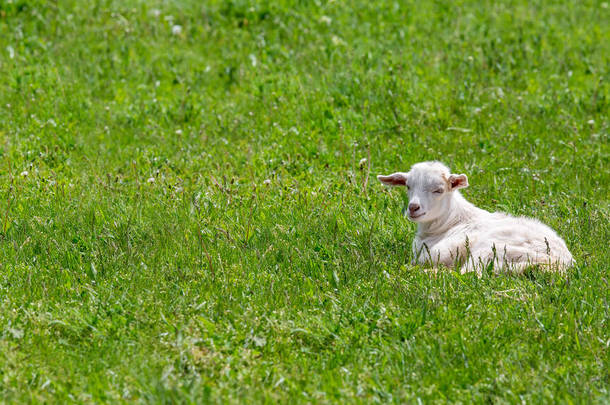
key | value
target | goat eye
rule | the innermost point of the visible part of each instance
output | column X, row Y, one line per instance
column 439, row 191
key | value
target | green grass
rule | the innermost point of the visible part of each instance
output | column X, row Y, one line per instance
column 185, row 218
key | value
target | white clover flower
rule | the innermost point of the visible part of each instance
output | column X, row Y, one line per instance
column 178, row 132
column 591, row 122
column 267, row 182
column 155, row 12
column 337, row 40
column 326, row 20
column 177, row 29
column 151, row 180
column 25, row 173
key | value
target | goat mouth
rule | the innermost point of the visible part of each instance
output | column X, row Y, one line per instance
column 416, row 216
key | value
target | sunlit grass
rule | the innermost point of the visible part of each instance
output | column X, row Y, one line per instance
column 189, row 210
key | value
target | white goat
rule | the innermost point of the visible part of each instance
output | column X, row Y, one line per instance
column 453, row 231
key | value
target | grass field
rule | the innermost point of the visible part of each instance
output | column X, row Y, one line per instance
column 186, row 215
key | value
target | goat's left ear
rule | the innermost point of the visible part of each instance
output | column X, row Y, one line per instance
column 458, row 181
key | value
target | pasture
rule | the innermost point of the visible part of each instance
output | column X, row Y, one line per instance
column 189, row 211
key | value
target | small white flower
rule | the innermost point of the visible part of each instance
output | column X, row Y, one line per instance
column 477, row 110
column 326, row 20
column 470, row 58
column 25, row 173
column 591, row 122
column 178, row 132
column 157, row 83
column 11, row 52
column 267, row 182
column 151, row 180
column 155, row 12
column 362, row 162
column 253, row 60
column 337, row 41
column 177, row 29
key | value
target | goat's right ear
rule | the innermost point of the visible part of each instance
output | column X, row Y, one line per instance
column 394, row 179
column 458, row 181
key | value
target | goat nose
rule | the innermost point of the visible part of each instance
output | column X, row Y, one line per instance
column 413, row 207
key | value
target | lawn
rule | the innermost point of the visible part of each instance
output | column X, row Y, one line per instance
column 189, row 211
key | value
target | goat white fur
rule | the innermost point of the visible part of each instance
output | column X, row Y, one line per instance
column 453, row 231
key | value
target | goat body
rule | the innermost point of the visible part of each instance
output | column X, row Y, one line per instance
column 453, row 231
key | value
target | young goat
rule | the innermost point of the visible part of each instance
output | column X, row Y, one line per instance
column 453, row 231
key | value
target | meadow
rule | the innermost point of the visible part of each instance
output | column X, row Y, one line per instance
column 189, row 211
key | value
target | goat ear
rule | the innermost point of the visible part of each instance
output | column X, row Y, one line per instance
column 394, row 179
column 458, row 181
